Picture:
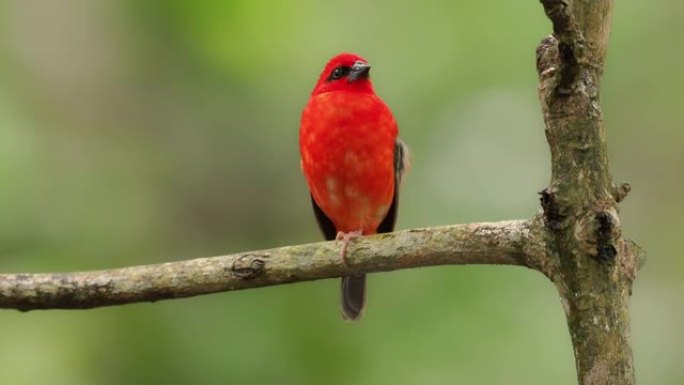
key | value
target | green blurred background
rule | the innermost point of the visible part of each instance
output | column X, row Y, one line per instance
column 136, row 132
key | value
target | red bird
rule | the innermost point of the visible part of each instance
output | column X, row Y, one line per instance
column 352, row 160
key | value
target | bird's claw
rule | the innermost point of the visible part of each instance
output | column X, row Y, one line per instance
column 346, row 238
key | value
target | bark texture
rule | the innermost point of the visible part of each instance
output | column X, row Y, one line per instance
column 593, row 265
column 504, row 243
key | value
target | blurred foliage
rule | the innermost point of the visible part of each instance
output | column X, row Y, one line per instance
column 135, row 132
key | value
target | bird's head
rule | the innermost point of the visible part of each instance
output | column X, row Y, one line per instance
column 345, row 72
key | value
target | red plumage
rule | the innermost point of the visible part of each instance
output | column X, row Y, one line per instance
column 350, row 158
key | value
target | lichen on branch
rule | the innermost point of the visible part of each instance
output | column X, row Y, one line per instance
column 504, row 243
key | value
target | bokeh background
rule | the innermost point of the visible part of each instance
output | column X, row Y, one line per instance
column 136, row 132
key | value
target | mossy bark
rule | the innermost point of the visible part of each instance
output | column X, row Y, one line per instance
column 507, row 242
column 594, row 265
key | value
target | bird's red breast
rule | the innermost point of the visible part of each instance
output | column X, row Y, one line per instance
column 347, row 138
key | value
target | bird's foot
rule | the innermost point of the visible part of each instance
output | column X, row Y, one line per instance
column 346, row 238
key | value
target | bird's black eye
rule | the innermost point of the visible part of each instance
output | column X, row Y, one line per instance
column 339, row 73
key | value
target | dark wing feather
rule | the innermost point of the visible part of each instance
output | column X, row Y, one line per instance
column 400, row 166
column 324, row 223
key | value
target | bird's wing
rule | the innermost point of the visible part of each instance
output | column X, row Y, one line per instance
column 324, row 223
column 401, row 165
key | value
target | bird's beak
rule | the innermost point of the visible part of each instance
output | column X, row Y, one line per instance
column 358, row 71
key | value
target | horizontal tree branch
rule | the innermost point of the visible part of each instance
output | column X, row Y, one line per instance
column 516, row 242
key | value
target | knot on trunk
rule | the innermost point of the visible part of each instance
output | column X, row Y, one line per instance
column 547, row 57
column 597, row 233
column 555, row 212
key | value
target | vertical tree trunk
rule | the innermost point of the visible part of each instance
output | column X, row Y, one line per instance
column 593, row 265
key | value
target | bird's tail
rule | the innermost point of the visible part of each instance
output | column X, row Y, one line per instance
column 353, row 297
